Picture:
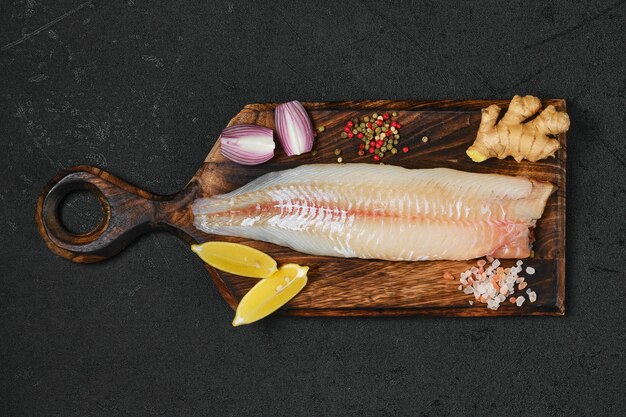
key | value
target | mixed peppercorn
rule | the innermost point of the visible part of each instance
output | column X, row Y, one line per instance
column 379, row 134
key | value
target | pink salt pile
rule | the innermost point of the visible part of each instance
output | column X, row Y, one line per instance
column 492, row 284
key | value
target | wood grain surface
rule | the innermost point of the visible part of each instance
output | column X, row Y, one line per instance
column 337, row 286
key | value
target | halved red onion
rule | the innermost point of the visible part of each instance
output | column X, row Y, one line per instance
column 247, row 144
column 294, row 128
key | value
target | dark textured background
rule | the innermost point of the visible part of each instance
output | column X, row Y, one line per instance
column 143, row 88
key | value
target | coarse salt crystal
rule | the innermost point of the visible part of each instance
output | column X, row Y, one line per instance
column 530, row 270
column 493, row 284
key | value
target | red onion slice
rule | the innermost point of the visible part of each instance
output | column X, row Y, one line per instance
column 294, row 128
column 247, row 144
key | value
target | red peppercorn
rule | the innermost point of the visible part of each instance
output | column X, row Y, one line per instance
column 350, row 124
column 380, row 142
column 386, row 116
column 361, row 153
column 360, row 135
column 398, row 126
column 405, row 149
column 371, row 149
column 394, row 123
column 379, row 122
column 378, row 145
column 346, row 129
column 388, row 133
column 369, row 124
column 361, row 146
column 376, row 158
column 350, row 134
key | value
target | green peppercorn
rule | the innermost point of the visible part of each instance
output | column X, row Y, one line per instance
column 361, row 125
column 394, row 114
column 396, row 136
column 321, row 129
column 395, row 142
column 394, row 151
column 375, row 116
column 337, row 151
column 378, row 130
column 314, row 152
column 366, row 119
column 344, row 135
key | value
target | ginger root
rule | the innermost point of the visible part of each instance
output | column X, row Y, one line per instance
column 511, row 137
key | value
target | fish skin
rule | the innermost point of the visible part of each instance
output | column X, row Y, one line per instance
column 382, row 212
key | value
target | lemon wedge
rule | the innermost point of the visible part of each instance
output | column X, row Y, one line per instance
column 236, row 259
column 271, row 293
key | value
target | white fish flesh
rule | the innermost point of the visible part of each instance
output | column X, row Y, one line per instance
column 382, row 212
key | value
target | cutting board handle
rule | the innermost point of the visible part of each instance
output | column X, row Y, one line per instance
column 128, row 212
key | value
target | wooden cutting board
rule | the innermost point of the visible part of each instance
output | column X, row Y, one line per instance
column 337, row 286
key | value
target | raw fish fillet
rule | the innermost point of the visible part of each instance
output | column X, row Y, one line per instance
column 382, row 212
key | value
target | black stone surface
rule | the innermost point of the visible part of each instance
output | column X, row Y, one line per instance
column 143, row 88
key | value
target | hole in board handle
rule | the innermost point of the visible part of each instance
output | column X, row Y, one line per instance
column 80, row 212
